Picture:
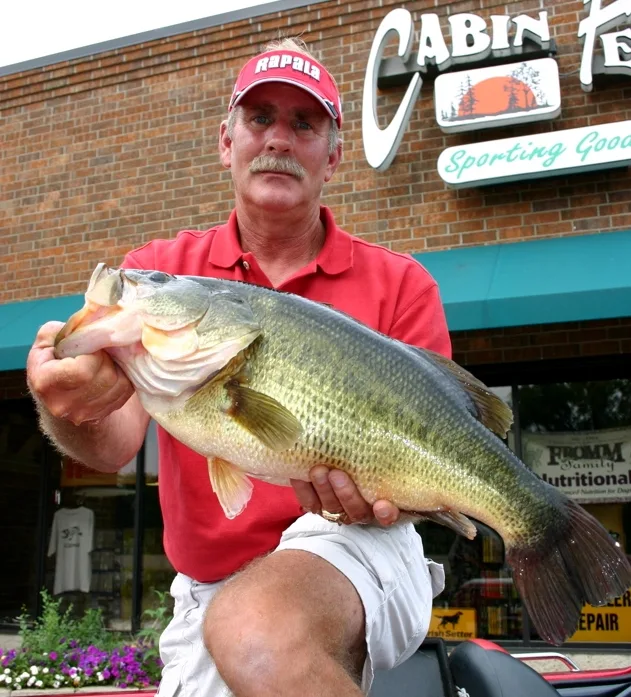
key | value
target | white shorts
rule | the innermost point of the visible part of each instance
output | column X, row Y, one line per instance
column 387, row 567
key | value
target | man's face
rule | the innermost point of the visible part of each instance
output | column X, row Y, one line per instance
column 276, row 122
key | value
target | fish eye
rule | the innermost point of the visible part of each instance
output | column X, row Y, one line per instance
column 159, row 277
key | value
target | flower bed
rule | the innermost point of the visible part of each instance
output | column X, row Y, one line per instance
column 74, row 667
column 93, row 657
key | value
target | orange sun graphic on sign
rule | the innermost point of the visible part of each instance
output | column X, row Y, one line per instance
column 496, row 95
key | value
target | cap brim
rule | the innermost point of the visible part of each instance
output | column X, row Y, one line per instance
column 294, row 83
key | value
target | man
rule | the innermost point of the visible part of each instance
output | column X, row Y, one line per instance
column 332, row 602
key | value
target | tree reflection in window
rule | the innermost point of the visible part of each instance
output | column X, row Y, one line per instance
column 575, row 406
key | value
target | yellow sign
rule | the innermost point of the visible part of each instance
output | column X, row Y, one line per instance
column 611, row 622
column 453, row 623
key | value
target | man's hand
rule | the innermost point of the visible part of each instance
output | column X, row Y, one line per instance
column 334, row 491
column 86, row 388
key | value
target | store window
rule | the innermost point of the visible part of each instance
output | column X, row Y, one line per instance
column 577, row 436
column 90, row 542
column 21, row 455
column 480, row 599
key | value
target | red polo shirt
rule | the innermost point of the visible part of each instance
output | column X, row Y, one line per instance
column 387, row 291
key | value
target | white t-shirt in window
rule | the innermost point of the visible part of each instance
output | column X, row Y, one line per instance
column 71, row 538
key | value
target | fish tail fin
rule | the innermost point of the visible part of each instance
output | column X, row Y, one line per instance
column 583, row 564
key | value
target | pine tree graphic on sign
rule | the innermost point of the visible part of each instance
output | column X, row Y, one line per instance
column 518, row 91
column 513, row 100
column 469, row 101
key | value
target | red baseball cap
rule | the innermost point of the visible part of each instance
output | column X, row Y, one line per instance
column 294, row 68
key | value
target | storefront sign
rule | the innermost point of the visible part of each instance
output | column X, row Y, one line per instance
column 614, row 44
column 453, row 623
column 528, row 157
column 590, row 466
column 473, row 41
column 381, row 145
column 470, row 43
column 498, row 96
column 611, row 622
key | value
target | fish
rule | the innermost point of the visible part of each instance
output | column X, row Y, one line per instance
column 266, row 384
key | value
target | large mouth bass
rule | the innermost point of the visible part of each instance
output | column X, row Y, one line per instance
column 267, row 384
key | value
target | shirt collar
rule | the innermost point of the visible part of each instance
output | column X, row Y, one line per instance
column 335, row 257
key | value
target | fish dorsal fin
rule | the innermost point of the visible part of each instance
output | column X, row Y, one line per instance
column 264, row 417
column 486, row 406
column 232, row 486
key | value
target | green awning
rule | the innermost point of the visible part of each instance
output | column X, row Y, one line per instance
column 19, row 323
column 564, row 279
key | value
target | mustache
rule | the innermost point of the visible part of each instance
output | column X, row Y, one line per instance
column 282, row 165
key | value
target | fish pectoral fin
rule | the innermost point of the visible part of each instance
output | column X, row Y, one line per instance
column 169, row 346
column 232, row 486
column 452, row 519
column 265, row 418
column 486, row 406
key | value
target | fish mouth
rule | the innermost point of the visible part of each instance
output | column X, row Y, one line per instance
column 82, row 318
column 92, row 328
column 104, row 321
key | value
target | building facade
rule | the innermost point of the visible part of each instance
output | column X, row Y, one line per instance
column 505, row 176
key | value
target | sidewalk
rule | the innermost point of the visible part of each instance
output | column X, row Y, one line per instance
column 9, row 641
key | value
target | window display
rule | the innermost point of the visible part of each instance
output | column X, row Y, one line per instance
column 71, row 540
column 89, row 561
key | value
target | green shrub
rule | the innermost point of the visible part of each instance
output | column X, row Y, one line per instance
column 156, row 620
column 55, row 627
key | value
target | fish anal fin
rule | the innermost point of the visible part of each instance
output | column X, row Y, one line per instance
column 458, row 522
column 265, row 418
column 486, row 406
column 232, row 486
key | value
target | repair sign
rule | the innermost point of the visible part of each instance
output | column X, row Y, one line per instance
column 609, row 623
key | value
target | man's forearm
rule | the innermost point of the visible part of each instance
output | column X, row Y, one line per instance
column 105, row 445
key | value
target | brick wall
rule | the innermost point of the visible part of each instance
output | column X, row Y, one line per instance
column 544, row 341
column 102, row 154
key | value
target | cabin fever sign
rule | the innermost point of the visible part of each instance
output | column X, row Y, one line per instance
column 489, row 74
column 590, row 466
